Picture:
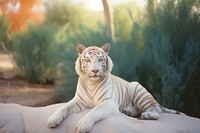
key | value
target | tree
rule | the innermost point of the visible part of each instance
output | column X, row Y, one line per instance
column 152, row 4
column 4, row 29
column 19, row 12
column 109, row 19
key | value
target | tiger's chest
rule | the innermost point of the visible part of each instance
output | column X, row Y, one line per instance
column 112, row 89
column 96, row 96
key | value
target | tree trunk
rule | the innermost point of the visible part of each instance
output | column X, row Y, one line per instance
column 152, row 4
column 109, row 19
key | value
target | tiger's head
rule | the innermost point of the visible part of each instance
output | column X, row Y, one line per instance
column 93, row 62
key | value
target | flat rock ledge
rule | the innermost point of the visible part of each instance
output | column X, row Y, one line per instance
column 15, row 118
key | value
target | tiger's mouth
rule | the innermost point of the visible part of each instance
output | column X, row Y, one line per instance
column 95, row 77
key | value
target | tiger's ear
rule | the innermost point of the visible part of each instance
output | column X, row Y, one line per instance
column 106, row 47
column 80, row 48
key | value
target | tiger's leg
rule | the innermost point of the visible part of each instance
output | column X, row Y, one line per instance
column 64, row 111
column 99, row 112
column 131, row 111
column 144, row 102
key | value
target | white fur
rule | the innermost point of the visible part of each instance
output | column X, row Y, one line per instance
column 105, row 94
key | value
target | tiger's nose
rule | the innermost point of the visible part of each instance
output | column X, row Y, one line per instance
column 95, row 71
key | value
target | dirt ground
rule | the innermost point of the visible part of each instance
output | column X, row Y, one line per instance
column 14, row 89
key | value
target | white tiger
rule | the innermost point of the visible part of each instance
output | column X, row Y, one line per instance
column 104, row 93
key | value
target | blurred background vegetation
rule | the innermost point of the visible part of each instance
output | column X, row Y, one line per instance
column 157, row 45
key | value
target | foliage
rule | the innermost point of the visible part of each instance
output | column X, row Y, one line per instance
column 64, row 13
column 171, row 52
column 189, row 68
column 4, row 28
column 37, row 53
column 37, row 50
column 19, row 12
column 124, row 17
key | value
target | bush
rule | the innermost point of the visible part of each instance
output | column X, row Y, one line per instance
column 190, row 71
column 124, row 16
column 37, row 53
column 66, row 14
column 169, row 65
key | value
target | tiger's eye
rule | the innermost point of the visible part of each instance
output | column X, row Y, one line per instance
column 100, row 60
column 87, row 60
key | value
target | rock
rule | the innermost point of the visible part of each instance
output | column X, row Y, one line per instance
column 21, row 119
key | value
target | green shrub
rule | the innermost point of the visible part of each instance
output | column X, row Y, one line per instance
column 68, row 15
column 169, row 64
column 37, row 53
column 190, row 71
column 124, row 17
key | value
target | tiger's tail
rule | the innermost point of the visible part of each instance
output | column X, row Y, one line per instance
column 171, row 111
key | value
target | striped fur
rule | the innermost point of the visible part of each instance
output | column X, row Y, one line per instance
column 104, row 93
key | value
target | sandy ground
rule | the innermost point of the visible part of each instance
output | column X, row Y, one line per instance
column 16, row 90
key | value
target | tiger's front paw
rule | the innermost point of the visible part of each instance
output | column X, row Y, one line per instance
column 54, row 120
column 84, row 125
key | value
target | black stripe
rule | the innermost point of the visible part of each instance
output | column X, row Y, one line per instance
column 135, row 90
column 151, row 104
column 105, row 99
column 133, row 99
column 85, row 90
column 123, row 102
column 100, row 88
column 148, row 106
column 139, row 97
column 147, row 98
column 136, row 95
column 80, row 97
column 102, row 95
column 78, row 106
column 119, row 98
